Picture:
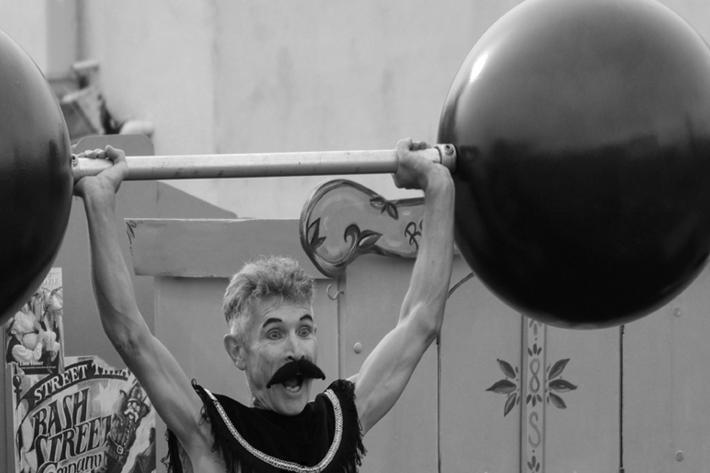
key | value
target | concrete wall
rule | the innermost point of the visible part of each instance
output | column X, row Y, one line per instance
column 46, row 29
column 249, row 76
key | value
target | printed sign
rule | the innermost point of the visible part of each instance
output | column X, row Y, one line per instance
column 34, row 334
column 90, row 418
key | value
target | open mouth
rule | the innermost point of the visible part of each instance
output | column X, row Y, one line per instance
column 293, row 385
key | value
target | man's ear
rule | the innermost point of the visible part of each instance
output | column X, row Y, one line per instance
column 235, row 349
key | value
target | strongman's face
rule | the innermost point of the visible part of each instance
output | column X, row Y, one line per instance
column 277, row 332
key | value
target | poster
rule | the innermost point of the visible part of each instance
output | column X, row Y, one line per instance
column 88, row 418
column 34, row 335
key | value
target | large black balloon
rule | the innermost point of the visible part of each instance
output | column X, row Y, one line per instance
column 583, row 172
column 35, row 177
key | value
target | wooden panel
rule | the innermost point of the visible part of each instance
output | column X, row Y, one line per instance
column 582, row 422
column 210, row 248
column 666, row 385
column 492, row 357
column 478, row 330
column 488, row 352
column 405, row 439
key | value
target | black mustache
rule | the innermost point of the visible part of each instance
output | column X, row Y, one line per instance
column 302, row 368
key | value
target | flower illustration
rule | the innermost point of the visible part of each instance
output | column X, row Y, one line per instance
column 555, row 385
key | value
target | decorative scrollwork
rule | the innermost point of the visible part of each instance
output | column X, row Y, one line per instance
column 343, row 220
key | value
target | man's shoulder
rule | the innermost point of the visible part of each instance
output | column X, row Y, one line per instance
column 341, row 389
column 342, row 386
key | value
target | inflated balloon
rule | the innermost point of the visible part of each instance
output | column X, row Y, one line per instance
column 583, row 170
column 35, row 177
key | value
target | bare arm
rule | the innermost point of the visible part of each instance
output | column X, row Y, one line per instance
column 165, row 382
column 387, row 370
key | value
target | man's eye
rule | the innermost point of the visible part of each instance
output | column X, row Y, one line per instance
column 305, row 331
column 273, row 334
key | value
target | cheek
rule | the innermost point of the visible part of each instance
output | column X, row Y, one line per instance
column 264, row 360
column 312, row 347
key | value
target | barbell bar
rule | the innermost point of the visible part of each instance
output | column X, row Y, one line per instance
column 202, row 166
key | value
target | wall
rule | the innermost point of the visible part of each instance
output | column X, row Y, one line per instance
column 248, row 76
column 46, row 29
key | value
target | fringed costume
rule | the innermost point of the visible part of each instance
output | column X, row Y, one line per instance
column 324, row 438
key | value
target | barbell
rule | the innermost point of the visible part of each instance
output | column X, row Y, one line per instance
column 581, row 133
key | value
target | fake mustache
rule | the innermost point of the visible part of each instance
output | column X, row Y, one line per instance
column 302, row 368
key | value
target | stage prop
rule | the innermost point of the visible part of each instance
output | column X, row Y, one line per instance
column 583, row 170
column 578, row 133
column 342, row 220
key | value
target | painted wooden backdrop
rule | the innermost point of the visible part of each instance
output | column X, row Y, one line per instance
column 500, row 393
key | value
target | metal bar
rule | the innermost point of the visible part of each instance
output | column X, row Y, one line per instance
column 261, row 164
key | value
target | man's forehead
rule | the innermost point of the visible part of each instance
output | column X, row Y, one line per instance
column 273, row 308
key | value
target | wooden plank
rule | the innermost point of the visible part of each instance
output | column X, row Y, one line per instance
column 475, row 434
column 582, row 422
column 667, row 388
column 210, row 248
column 405, row 439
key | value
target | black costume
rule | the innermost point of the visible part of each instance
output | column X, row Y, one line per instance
column 324, row 438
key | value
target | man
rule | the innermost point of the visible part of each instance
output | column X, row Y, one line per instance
column 272, row 338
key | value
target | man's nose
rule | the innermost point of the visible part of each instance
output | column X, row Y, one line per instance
column 294, row 347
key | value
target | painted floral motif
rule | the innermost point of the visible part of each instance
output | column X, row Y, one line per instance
column 314, row 238
column 509, row 386
column 554, row 384
column 384, row 205
column 533, row 464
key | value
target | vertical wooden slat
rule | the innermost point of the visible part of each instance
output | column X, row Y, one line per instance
column 480, row 337
column 533, row 395
column 582, row 423
column 405, row 439
column 667, row 386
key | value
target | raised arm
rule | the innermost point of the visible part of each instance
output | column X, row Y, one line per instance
column 163, row 379
column 386, row 371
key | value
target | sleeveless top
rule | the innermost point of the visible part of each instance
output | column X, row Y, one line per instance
column 324, row 438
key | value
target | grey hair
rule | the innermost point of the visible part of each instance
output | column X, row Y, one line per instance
column 264, row 277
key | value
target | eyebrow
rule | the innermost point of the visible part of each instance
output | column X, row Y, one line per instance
column 276, row 320
column 271, row 320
